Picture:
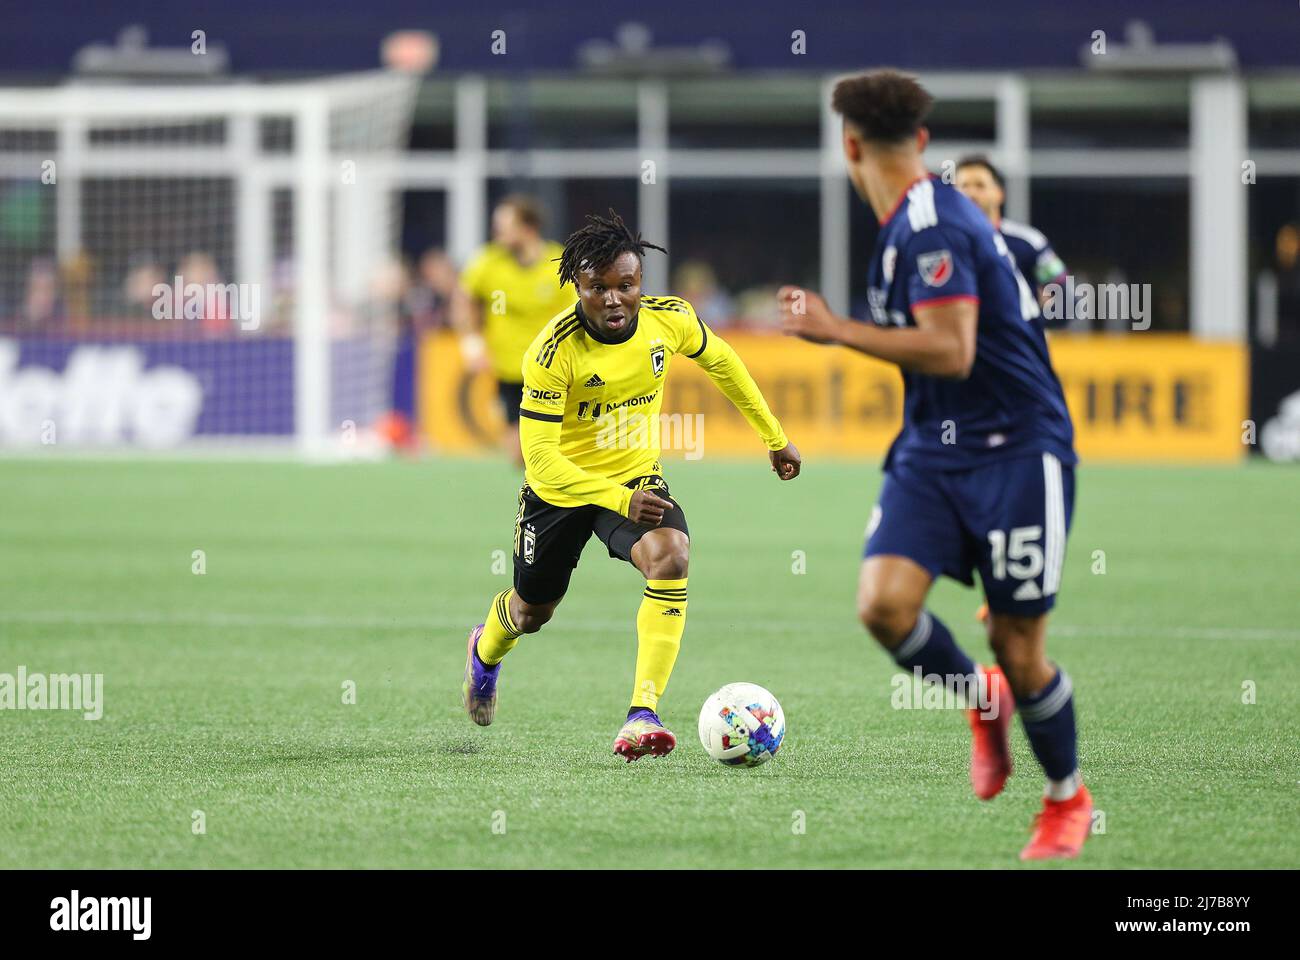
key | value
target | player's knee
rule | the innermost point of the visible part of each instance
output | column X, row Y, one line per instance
column 665, row 557
column 530, row 617
column 889, row 619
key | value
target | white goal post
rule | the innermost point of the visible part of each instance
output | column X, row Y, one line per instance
column 198, row 266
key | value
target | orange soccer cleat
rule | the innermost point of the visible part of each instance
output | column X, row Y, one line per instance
column 990, row 746
column 1061, row 828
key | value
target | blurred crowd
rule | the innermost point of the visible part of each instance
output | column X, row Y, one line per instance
column 74, row 298
column 79, row 296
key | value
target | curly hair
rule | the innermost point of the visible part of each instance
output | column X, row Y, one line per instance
column 597, row 244
column 887, row 106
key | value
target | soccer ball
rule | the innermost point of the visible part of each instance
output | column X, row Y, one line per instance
column 742, row 725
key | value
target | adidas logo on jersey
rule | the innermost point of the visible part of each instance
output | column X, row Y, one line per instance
column 595, row 381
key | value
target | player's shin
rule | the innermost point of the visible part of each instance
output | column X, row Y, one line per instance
column 659, row 625
column 931, row 650
column 1048, row 718
column 499, row 632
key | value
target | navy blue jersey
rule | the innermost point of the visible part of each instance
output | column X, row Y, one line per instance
column 938, row 246
column 1035, row 258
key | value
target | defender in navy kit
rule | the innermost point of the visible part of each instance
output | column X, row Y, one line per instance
column 1037, row 262
column 981, row 477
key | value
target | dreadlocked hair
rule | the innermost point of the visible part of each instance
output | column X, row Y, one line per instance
column 597, row 244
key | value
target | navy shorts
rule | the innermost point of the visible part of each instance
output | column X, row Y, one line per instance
column 1008, row 519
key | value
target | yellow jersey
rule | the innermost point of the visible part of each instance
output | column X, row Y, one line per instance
column 516, row 300
column 590, row 411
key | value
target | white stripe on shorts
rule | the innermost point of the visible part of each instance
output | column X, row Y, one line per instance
column 1054, row 520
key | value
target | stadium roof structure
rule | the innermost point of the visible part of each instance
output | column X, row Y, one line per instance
column 42, row 39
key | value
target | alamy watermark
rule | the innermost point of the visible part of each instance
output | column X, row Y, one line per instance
column 1130, row 302
column 625, row 429
column 212, row 301
column 77, row 913
column 933, row 691
column 57, row 691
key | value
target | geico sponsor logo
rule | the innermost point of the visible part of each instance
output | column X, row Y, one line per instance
column 102, row 913
column 103, row 396
column 543, row 394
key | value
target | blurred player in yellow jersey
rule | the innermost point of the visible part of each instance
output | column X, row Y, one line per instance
column 593, row 389
column 507, row 293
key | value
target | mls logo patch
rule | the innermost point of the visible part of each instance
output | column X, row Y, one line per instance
column 530, row 544
column 657, row 361
column 935, row 268
column 887, row 262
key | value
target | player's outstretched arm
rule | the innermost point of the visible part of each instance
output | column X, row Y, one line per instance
column 942, row 344
column 725, row 368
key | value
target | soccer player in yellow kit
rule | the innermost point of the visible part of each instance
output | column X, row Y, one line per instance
column 589, row 429
column 507, row 293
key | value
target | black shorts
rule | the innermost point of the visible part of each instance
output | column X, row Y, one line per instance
column 510, row 394
column 549, row 539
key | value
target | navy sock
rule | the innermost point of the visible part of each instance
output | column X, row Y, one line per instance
column 1048, row 717
column 931, row 647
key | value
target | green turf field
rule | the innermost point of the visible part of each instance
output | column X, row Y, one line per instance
column 223, row 692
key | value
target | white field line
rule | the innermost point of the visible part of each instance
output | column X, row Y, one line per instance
column 563, row 624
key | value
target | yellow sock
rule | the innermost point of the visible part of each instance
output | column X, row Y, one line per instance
column 499, row 634
column 659, row 626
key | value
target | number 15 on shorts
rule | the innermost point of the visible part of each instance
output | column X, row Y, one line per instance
column 1018, row 553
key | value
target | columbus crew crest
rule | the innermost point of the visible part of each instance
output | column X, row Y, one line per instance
column 935, row 268
column 657, row 361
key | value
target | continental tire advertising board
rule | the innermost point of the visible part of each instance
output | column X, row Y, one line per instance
column 1148, row 397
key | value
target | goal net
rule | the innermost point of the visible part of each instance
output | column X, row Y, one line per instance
column 200, row 267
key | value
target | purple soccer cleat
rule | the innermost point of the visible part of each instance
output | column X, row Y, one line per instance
column 478, row 691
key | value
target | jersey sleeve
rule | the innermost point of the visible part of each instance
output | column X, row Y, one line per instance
column 728, row 372
column 546, row 388
column 541, row 419
column 1048, row 267
column 940, row 267
column 694, row 335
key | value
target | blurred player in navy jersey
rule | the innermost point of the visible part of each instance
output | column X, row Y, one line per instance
column 981, row 477
column 1034, row 256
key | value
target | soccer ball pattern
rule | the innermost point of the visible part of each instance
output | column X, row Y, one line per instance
column 742, row 725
